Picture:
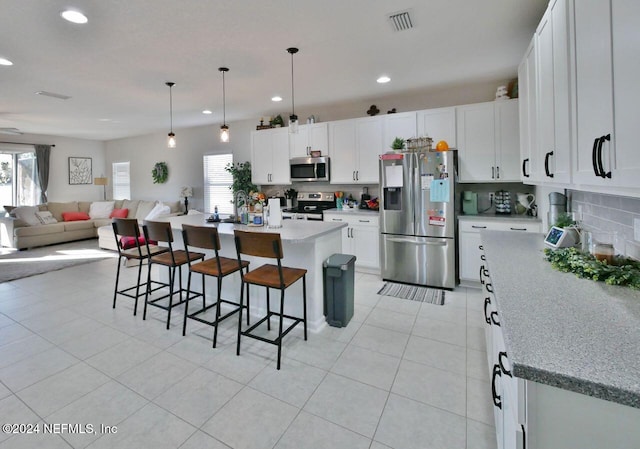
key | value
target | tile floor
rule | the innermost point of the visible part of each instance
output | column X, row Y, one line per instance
column 400, row 375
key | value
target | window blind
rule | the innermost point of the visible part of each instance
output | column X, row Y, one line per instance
column 121, row 181
column 217, row 183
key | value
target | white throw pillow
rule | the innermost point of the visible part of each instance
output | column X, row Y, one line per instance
column 46, row 217
column 194, row 212
column 101, row 209
column 158, row 211
column 27, row 214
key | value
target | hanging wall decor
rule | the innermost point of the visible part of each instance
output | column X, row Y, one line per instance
column 160, row 173
column 80, row 171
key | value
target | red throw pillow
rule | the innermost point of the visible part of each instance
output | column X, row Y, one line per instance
column 75, row 216
column 119, row 213
column 130, row 242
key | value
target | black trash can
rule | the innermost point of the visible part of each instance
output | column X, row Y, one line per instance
column 338, row 289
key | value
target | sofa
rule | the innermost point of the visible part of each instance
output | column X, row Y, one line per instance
column 54, row 222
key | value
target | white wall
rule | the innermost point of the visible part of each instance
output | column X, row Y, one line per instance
column 59, row 188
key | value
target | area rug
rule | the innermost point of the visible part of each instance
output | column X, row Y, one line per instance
column 413, row 293
column 29, row 262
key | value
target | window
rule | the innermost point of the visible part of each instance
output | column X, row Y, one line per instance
column 217, row 183
column 121, row 181
column 18, row 179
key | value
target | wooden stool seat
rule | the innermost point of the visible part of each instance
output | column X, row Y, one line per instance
column 269, row 276
column 209, row 267
column 176, row 257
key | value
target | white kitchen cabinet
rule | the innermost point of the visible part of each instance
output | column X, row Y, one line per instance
column 488, row 142
column 469, row 254
column 553, row 150
column 527, row 105
column 439, row 124
column 310, row 137
column 354, row 147
column 270, row 156
column 361, row 238
column 401, row 125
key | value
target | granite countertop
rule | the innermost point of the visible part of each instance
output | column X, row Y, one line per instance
column 364, row 212
column 292, row 231
column 512, row 217
column 560, row 330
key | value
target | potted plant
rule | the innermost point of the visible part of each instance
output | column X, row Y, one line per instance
column 290, row 195
column 241, row 172
column 397, row 144
column 277, row 122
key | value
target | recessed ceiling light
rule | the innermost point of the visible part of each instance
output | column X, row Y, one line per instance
column 4, row 61
column 276, row 98
column 74, row 16
column 383, row 79
column 206, row 111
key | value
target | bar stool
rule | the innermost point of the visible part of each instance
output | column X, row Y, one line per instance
column 218, row 267
column 269, row 245
column 172, row 259
column 135, row 249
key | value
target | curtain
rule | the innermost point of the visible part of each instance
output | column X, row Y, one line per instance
column 42, row 163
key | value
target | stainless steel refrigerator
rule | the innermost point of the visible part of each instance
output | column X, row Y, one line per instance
column 418, row 218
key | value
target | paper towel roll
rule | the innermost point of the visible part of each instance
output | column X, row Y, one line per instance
column 275, row 213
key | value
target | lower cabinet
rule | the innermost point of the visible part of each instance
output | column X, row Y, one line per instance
column 361, row 238
column 469, row 252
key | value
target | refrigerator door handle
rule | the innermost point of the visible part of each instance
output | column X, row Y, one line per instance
column 406, row 240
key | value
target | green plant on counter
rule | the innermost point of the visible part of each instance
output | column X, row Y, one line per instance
column 564, row 220
column 290, row 194
column 622, row 271
column 241, row 172
column 397, row 144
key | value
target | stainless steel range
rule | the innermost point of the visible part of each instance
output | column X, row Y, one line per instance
column 310, row 206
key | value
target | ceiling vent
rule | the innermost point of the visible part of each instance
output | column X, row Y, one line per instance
column 401, row 21
column 53, row 95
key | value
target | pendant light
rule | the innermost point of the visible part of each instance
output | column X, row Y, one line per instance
column 224, row 129
column 293, row 118
column 171, row 138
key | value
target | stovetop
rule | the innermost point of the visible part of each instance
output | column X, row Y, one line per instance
column 313, row 203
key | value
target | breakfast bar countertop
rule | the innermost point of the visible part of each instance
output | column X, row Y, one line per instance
column 560, row 330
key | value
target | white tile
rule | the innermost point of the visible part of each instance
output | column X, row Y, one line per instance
column 76, row 329
column 54, row 318
column 35, row 368
column 5, row 320
column 294, row 383
column 433, row 386
column 150, row 427
column 157, row 374
column 100, row 340
column 240, row 368
column 317, row 351
column 122, row 357
column 343, row 334
column 14, row 411
column 348, row 403
column 35, row 441
column 4, row 391
column 480, row 435
column 456, row 315
column 367, row 366
column 22, row 349
column 54, row 392
column 399, row 305
column 13, row 332
column 198, row 396
column 251, row 420
column 479, row 401
column 381, row 340
column 443, row 331
column 414, row 425
column 394, row 321
column 310, row 432
column 193, row 348
column 477, row 365
column 361, row 312
column 437, row 354
column 201, row 440
column 476, row 338
column 107, row 405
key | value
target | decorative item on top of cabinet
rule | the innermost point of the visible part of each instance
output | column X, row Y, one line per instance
column 373, row 110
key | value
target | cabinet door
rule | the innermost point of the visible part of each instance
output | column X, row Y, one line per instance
column 280, row 171
column 469, row 257
column 366, row 243
column 527, row 104
column 439, row 124
column 369, row 147
column 261, row 156
column 626, row 67
column 594, row 94
column 476, row 142
column 508, row 141
column 319, row 137
column 299, row 142
column 546, row 122
column 342, row 149
column 401, row 125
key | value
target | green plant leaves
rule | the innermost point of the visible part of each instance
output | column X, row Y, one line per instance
column 160, row 173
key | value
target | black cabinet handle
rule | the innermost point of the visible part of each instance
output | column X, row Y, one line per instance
column 497, row 400
column 518, row 229
column 494, row 314
column 487, row 302
column 594, row 158
column 502, row 354
column 489, row 287
column 479, row 227
column 493, row 173
column 600, row 165
column 481, row 272
column 524, row 169
column 546, row 164
column 480, row 247
column 497, row 172
column 483, row 257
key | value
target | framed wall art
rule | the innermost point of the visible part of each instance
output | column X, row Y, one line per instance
column 80, row 171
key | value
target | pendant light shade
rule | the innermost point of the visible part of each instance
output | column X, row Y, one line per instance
column 224, row 129
column 171, row 138
column 293, row 118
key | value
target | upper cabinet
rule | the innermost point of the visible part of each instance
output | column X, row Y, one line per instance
column 439, row 124
column 270, row 156
column 527, row 105
column 488, row 142
column 401, row 125
column 310, row 137
column 354, row 147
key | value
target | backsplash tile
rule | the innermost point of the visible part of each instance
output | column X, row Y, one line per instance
column 606, row 212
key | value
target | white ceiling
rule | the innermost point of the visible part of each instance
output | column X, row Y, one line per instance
column 115, row 67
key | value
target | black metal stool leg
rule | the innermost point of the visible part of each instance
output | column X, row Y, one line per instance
column 248, row 302
column 135, row 305
column 280, row 326
column 172, row 276
column 115, row 291
column 240, row 318
column 186, row 305
column 148, row 292
column 268, row 311
column 304, row 304
column 215, row 327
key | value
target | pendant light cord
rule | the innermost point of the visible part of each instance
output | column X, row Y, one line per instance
column 293, row 107
column 224, row 102
column 171, row 106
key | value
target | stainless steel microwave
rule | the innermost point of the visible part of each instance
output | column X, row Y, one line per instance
column 309, row 168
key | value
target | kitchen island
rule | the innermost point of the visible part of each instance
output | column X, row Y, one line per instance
column 306, row 244
column 572, row 349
